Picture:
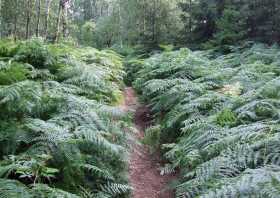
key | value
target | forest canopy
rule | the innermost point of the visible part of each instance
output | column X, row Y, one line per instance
column 105, row 23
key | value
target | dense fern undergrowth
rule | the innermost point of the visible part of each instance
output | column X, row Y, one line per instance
column 60, row 134
column 216, row 118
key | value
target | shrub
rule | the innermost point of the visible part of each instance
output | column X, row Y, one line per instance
column 132, row 67
column 219, row 117
column 226, row 118
column 152, row 137
column 6, row 48
column 4, row 52
column 14, row 72
column 35, row 53
column 59, row 131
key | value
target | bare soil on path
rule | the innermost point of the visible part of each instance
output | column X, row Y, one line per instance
column 144, row 173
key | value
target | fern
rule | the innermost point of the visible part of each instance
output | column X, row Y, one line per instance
column 11, row 188
column 218, row 117
column 59, row 130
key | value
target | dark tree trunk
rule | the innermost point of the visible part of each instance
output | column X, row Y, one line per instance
column 64, row 21
column 38, row 17
column 190, row 19
column 58, row 21
column 28, row 16
column 15, row 21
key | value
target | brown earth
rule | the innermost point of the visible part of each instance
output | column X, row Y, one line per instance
column 144, row 174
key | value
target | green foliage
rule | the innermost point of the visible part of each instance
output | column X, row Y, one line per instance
column 87, row 34
column 4, row 52
column 166, row 48
column 219, row 119
column 152, row 137
column 230, row 30
column 12, row 73
column 220, row 23
column 6, row 48
column 132, row 67
column 226, row 118
column 34, row 52
column 59, row 133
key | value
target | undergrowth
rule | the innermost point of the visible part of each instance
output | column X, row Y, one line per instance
column 218, row 117
column 60, row 134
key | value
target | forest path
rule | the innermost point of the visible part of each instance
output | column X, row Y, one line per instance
column 144, row 174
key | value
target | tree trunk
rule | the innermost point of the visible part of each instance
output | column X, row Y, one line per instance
column 190, row 20
column 47, row 14
column 87, row 5
column 94, row 10
column 28, row 19
column 1, row 23
column 15, row 23
column 38, row 17
column 64, row 21
column 120, row 25
column 144, row 18
column 154, row 21
column 58, row 21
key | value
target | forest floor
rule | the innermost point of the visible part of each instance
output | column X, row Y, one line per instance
column 144, row 173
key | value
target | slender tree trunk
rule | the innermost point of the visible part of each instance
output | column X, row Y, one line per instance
column 64, row 21
column 277, row 24
column 190, row 13
column 95, row 10
column 120, row 25
column 38, row 17
column 1, row 20
column 47, row 14
column 154, row 21
column 15, row 25
column 14, row 33
column 58, row 21
column 220, row 7
column 144, row 18
column 28, row 19
column 87, row 10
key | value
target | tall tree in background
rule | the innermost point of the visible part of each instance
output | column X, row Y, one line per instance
column 65, row 18
column 28, row 18
column 1, row 20
column 254, row 19
column 38, row 2
column 58, row 21
column 47, row 16
column 88, row 9
column 230, row 29
column 16, row 8
column 61, row 15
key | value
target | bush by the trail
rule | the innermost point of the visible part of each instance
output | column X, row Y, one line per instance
column 60, row 135
column 152, row 137
column 219, row 119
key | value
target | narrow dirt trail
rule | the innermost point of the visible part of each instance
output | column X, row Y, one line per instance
column 144, row 174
